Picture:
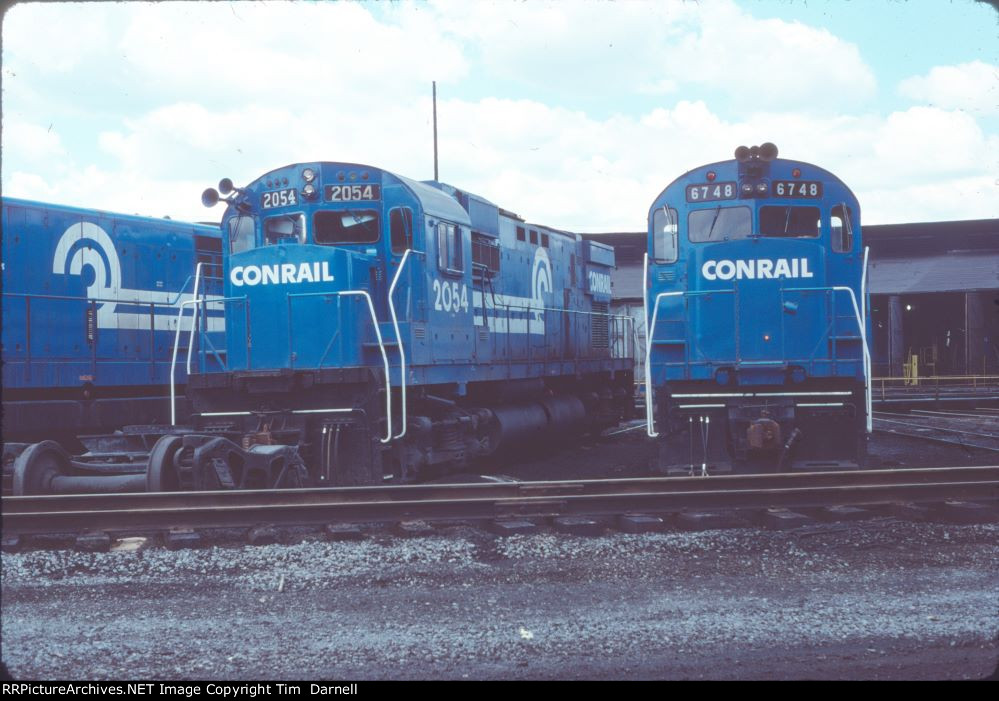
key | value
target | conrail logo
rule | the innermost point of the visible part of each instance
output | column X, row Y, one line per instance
column 759, row 269
column 280, row 274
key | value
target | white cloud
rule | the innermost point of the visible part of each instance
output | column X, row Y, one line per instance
column 200, row 91
column 56, row 37
column 978, row 197
column 770, row 64
column 293, row 54
column 970, row 86
column 31, row 144
column 926, row 142
column 567, row 48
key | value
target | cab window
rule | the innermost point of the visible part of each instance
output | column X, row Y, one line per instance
column 241, row 233
column 664, row 235
column 448, row 247
column 790, row 222
column 287, row 228
column 401, row 229
column 345, row 226
column 842, row 229
column 719, row 224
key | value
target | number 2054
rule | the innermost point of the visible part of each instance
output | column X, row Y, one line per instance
column 450, row 296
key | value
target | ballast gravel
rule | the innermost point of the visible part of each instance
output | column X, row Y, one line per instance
column 876, row 599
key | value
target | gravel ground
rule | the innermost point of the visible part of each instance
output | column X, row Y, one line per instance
column 878, row 599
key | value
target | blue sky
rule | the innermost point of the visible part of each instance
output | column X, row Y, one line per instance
column 573, row 114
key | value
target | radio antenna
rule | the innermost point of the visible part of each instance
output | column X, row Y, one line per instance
column 436, row 179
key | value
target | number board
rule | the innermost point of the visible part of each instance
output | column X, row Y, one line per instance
column 712, row 191
column 353, row 193
column 796, row 188
column 278, row 198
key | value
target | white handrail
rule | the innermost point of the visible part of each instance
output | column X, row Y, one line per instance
column 648, row 342
column 173, row 365
column 194, row 320
column 398, row 339
column 870, row 372
column 649, row 414
column 867, row 355
column 176, row 344
column 385, row 362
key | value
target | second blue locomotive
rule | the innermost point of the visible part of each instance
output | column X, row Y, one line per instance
column 757, row 322
column 382, row 327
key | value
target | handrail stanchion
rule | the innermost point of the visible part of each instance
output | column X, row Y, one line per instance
column 398, row 339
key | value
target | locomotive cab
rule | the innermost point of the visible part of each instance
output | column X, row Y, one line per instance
column 315, row 259
column 756, row 316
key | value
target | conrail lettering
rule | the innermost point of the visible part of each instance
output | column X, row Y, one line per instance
column 280, row 274
column 759, row 269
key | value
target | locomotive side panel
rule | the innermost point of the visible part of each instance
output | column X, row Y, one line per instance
column 90, row 305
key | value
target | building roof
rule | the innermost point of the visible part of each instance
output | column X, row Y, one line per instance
column 948, row 272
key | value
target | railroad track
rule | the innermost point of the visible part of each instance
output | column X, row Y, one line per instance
column 160, row 511
column 969, row 428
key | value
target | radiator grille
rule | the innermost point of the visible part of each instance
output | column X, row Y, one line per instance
column 600, row 336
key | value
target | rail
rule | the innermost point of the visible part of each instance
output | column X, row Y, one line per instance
column 145, row 511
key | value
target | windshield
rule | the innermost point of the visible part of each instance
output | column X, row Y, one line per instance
column 719, row 224
column 287, row 228
column 790, row 222
column 240, row 234
column 346, row 226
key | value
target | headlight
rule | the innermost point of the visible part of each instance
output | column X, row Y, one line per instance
column 309, row 190
column 308, row 175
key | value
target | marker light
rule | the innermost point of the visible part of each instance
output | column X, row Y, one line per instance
column 711, row 176
column 796, row 173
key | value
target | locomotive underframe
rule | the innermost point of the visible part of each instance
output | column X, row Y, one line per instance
column 706, row 429
column 246, row 433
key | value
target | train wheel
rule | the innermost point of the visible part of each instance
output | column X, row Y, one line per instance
column 161, row 473
column 11, row 451
column 36, row 466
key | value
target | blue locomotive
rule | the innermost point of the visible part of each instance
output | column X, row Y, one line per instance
column 756, row 315
column 379, row 327
column 91, row 304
